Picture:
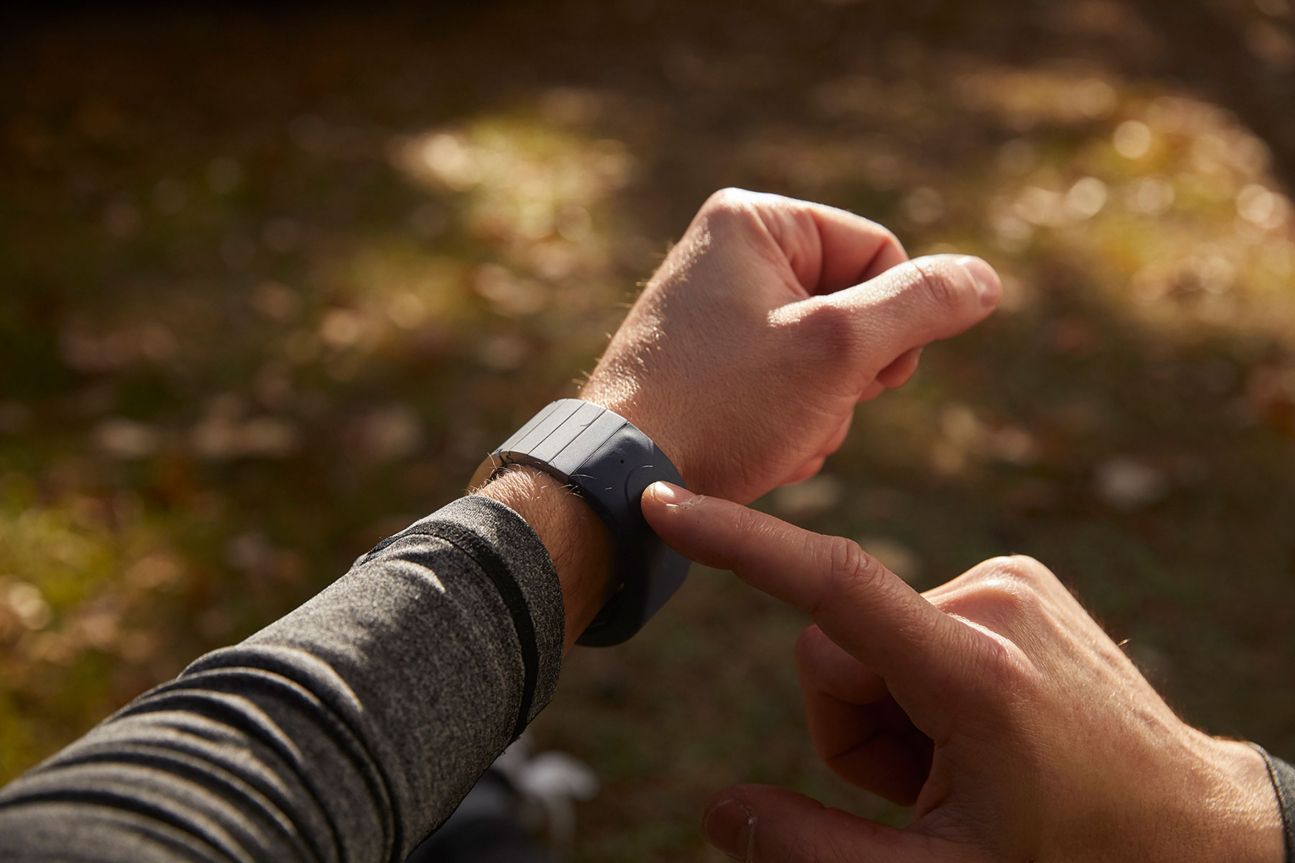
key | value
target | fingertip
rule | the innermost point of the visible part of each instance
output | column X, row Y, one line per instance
column 807, row 642
column 667, row 495
column 900, row 371
column 729, row 825
column 662, row 502
column 989, row 288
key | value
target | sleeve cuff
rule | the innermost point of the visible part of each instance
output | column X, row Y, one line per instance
column 1283, row 778
column 507, row 535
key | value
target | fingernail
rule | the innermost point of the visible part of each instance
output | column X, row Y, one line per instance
column 672, row 495
column 730, row 827
column 988, row 288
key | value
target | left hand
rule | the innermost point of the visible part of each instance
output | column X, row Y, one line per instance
column 770, row 320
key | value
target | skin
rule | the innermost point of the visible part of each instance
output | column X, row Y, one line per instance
column 777, row 317
column 770, row 315
column 993, row 704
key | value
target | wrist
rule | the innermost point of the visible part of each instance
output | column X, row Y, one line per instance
column 1241, row 806
column 626, row 399
column 577, row 541
column 1258, row 813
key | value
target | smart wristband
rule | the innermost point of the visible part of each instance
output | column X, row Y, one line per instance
column 608, row 462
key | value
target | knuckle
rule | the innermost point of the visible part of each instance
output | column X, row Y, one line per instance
column 751, row 524
column 832, row 327
column 1007, row 596
column 728, row 202
column 1009, row 590
column 1006, row 667
column 851, row 569
column 1020, row 567
column 940, row 280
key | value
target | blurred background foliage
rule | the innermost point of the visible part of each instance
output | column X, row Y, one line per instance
column 275, row 280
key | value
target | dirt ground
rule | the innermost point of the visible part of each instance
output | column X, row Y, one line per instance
column 273, row 283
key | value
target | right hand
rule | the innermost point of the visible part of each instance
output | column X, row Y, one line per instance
column 769, row 321
column 993, row 704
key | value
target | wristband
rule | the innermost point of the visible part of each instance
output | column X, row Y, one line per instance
column 609, row 462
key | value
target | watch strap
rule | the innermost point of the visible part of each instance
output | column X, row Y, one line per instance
column 609, row 462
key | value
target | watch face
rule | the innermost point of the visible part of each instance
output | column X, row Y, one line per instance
column 610, row 463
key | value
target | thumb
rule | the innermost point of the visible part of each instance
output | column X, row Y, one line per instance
column 767, row 824
column 917, row 302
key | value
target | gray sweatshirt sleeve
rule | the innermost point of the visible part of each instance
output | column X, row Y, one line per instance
column 1283, row 777
column 345, row 731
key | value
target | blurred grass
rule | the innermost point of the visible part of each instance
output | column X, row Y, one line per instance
column 274, row 283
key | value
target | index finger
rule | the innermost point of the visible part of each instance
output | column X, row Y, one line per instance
column 862, row 606
column 828, row 249
column 854, row 249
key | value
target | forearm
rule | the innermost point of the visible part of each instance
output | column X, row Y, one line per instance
column 577, row 542
column 344, row 731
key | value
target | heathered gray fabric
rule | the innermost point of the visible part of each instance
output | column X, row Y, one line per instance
column 346, row 731
column 1283, row 777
